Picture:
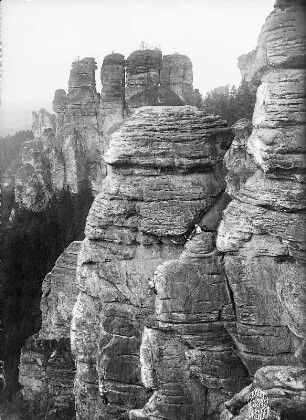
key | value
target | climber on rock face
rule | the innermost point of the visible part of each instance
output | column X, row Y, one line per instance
column 152, row 285
column 104, row 397
column 196, row 231
column 104, row 390
column 104, row 394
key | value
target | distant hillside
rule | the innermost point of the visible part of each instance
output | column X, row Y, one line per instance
column 17, row 116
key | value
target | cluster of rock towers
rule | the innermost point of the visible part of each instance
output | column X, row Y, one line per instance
column 168, row 322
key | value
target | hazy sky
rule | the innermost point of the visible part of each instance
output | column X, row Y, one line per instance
column 42, row 37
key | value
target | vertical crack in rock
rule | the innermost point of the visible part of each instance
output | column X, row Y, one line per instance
column 262, row 233
column 165, row 172
column 47, row 368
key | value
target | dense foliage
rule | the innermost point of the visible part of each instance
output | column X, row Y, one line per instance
column 30, row 245
column 10, row 147
column 230, row 103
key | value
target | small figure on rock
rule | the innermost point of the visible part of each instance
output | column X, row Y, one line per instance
column 104, row 394
column 104, row 390
column 152, row 285
column 104, row 397
column 196, row 231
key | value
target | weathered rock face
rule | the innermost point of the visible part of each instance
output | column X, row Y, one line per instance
column 263, row 229
column 47, row 368
column 238, row 162
column 153, row 79
column 188, row 359
column 166, row 173
column 29, row 176
column 281, row 42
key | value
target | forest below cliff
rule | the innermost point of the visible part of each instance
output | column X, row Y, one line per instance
column 30, row 244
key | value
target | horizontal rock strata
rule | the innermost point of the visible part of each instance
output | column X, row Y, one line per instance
column 263, row 229
column 166, row 173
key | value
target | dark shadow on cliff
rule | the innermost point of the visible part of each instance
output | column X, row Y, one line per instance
column 30, row 244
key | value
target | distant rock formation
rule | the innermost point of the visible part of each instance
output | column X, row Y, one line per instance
column 166, row 174
column 68, row 149
column 30, row 177
column 47, row 368
column 262, row 233
column 77, row 129
column 284, row 387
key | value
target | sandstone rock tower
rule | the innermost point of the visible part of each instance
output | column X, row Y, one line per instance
column 166, row 174
column 182, row 310
column 263, row 229
column 77, row 130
